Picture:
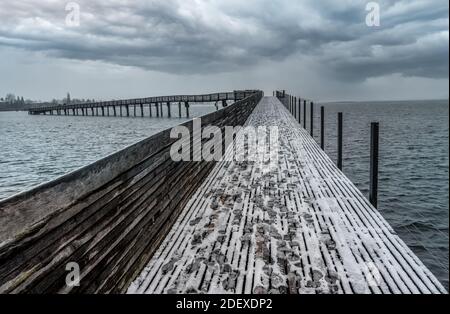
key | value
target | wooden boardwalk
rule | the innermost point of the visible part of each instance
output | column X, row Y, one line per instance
column 300, row 227
column 158, row 102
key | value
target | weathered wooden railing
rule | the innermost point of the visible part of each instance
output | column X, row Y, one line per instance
column 108, row 217
column 102, row 108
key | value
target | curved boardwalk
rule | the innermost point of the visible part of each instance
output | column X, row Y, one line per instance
column 299, row 227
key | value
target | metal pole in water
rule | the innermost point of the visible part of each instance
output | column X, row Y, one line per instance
column 373, row 185
column 339, row 141
column 322, row 127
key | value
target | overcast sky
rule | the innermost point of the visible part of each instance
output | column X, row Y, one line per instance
column 322, row 50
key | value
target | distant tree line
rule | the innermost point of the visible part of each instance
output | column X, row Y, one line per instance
column 12, row 99
column 13, row 102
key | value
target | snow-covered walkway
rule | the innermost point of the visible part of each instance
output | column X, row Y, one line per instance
column 300, row 227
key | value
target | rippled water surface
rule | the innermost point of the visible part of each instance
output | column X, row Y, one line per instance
column 36, row 149
column 413, row 194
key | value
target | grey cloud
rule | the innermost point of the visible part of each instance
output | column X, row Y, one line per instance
column 184, row 36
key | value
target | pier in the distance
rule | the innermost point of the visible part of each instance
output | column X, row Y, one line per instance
column 137, row 106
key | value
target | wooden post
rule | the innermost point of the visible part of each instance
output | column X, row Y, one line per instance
column 373, row 185
column 339, row 141
column 299, row 111
column 103, row 111
column 150, row 109
column 142, row 110
column 169, row 113
column 186, row 104
column 128, row 110
column 295, row 108
column 179, row 109
column 114, row 109
column 322, row 127
column 134, row 109
column 92, row 111
column 304, row 114
column 312, row 119
column 157, row 109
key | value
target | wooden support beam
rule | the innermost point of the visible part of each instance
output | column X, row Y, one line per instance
column 179, row 109
column 304, row 114
column 186, row 104
column 142, row 110
column 169, row 113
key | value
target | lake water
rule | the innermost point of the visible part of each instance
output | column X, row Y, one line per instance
column 413, row 187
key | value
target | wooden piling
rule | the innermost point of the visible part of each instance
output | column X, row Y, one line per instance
column 169, row 113
column 373, row 184
column 186, row 104
column 339, row 141
column 304, row 114
column 322, row 127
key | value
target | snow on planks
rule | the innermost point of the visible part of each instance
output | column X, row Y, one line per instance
column 300, row 227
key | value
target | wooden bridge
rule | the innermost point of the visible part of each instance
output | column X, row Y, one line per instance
column 139, row 222
column 122, row 107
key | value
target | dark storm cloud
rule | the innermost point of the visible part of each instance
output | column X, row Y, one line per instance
column 188, row 36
